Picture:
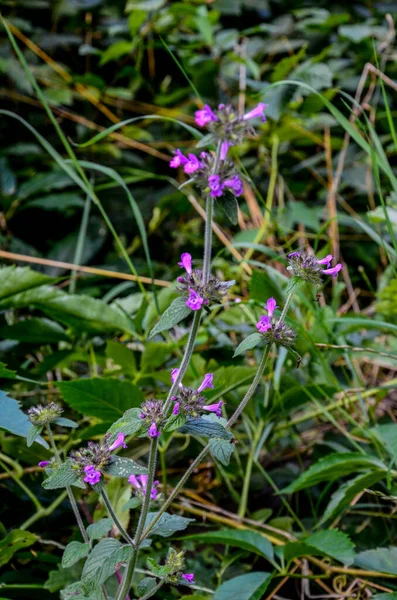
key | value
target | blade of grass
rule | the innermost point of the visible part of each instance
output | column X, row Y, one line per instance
column 80, row 243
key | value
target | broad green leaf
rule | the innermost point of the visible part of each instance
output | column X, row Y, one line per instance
column 381, row 559
column 229, row 205
column 62, row 422
column 33, row 434
column 173, row 315
column 61, row 578
column 129, row 423
column 6, row 373
column 250, row 342
column 121, row 355
column 174, row 421
column 121, row 556
column 74, row 552
column 386, row 596
column 156, row 569
column 388, row 435
column 97, row 557
column 57, row 202
column 106, row 399
column 98, row 530
column 14, row 280
column 13, row 542
column 167, row 524
column 348, row 491
column 63, row 476
column 124, row 467
column 251, row 586
column 205, row 428
column 330, row 542
column 146, row 585
column 240, row 538
column 221, row 450
column 75, row 591
column 333, row 467
column 13, row 419
column 35, row 331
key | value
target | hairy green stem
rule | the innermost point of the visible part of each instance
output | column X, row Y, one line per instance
column 44, row 512
column 209, row 209
column 115, row 519
column 125, row 585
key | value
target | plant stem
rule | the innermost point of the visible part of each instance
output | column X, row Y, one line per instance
column 209, row 209
column 115, row 519
column 72, row 499
column 44, row 512
column 127, row 579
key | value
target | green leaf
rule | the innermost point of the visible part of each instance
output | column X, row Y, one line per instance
column 333, row 467
column 348, row 491
column 330, row 542
column 381, row 559
column 116, row 51
column 174, row 421
column 63, row 476
column 172, row 315
column 229, row 205
column 386, row 596
column 167, row 524
column 57, row 202
column 158, row 570
column 62, row 422
column 14, row 280
column 250, row 342
column 13, row 542
column 13, row 419
column 106, row 399
column 121, row 355
column 124, row 467
column 251, row 586
column 388, row 435
column 103, row 550
column 146, row 585
column 221, row 450
column 122, row 555
column 242, row 538
column 6, row 373
column 204, row 427
column 35, row 331
column 98, row 530
column 74, row 552
column 144, row 5
column 129, row 423
column 75, row 591
column 33, row 434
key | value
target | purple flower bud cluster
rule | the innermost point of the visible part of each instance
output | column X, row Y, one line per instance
column 44, row 415
column 140, row 484
column 93, row 460
column 272, row 329
column 152, row 415
column 211, row 176
column 197, row 292
column 311, row 269
column 191, row 402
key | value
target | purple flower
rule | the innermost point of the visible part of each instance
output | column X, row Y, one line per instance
column 194, row 301
column 216, row 186
column 119, row 441
column 174, row 375
column 43, row 464
column 256, row 112
column 186, row 262
column 204, row 116
column 92, row 475
column 153, row 432
column 264, row 324
column 175, row 410
column 224, row 148
column 334, row 271
column 324, row 261
column 271, row 306
column 189, row 577
column 140, row 483
column 207, row 382
column 193, row 164
column 215, row 408
column 293, row 254
column 235, row 184
column 178, row 160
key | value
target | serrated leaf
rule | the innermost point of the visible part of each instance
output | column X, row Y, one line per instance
column 250, row 342
column 174, row 422
column 63, row 476
column 62, row 422
column 332, row 542
column 13, row 542
column 205, row 428
column 121, row 466
column 172, row 316
column 333, row 467
column 74, row 552
column 242, row 538
column 97, row 556
column 251, row 586
column 98, row 530
column 14, row 280
column 348, row 491
column 221, row 450
column 14, row 420
column 158, row 570
column 106, row 399
column 35, row 331
column 122, row 555
column 381, row 559
column 33, row 434
column 129, row 423
column 167, row 524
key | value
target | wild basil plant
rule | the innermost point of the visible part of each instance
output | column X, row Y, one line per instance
column 184, row 409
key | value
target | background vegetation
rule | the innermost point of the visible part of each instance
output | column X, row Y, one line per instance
column 319, row 176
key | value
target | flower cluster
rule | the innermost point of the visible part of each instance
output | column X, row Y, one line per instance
column 152, row 414
column 198, row 292
column 190, row 401
column 212, row 176
column 227, row 126
column 91, row 461
column 274, row 330
column 44, row 415
column 311, row 269
column 174, row 566
column 140, row 484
